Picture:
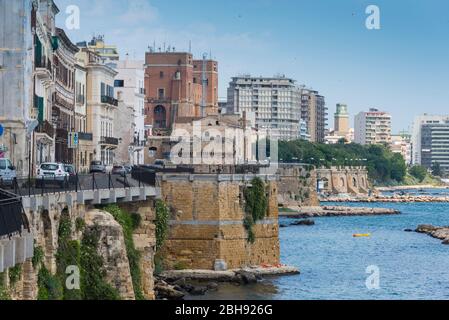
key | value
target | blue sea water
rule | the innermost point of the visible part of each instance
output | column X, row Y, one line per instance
column 334, row 264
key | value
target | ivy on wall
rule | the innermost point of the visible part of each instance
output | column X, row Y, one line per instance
column 256, row 206
column 129, row 223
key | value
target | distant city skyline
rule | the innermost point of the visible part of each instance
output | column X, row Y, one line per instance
column 401, row 68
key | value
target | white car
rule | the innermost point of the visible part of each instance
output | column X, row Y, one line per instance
column 49, row 173
column 7, row 172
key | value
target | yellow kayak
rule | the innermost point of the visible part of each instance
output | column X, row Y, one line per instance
column 361, row 235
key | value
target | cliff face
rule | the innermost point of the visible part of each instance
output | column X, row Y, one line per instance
column 112, row 249
column 22, row 283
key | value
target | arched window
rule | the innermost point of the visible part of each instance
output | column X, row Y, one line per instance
column 160, row 117
column 354, row 182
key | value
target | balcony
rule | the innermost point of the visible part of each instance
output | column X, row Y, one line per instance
column 46, row 128
column 43, row 69
column 83, row 136
column 109, row 141
column 109, row 100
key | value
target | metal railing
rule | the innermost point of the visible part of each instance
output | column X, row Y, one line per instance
column 12, row 216
column 80, row 182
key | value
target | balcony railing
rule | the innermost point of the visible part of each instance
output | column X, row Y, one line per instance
column 110, row 141
column 47, row 128
column 44, row 64
column 109, row 100
column 85, row 136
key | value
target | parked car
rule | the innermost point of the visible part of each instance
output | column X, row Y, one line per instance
column 97, row 166
column 129, row 169
column 52, row 173
column 7, row 172
column 120, row 170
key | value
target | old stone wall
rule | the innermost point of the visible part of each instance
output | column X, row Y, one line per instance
column 348, row 180
column 207, row 222
column 44, row 225
column 297, row 186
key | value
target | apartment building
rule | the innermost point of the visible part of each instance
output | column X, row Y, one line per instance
column 274, row 101
column 129, row 89
column 314, row 112
column 416, row 139
column 102, row 106
column 401, row 144
column 64, row 97
column 373, row 127
column 430, row 141
column 176, row 88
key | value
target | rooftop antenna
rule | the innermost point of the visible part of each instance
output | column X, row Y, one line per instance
column 190, row 46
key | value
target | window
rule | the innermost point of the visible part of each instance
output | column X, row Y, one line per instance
column 119, row 83
column 161, row 94
column 161, row 74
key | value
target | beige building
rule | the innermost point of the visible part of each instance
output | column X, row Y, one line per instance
column 314, row 112
column 101, row 107
column 401, row 143
column 373, row 127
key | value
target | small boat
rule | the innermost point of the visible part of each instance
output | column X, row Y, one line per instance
column 362, row 235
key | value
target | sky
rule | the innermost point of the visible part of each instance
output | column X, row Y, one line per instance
column 402, row 68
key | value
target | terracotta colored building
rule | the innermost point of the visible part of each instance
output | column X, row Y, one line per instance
column 173, row 83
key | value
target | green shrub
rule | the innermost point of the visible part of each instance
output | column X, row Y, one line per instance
column 93, row 275
column 256, row 206
column 49, row 286
column 80, row 224
column 162, row 219
column 38, row 256
column 14, row 274
column 129, row 224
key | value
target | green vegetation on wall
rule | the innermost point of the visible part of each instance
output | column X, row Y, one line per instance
column 93, row 274
column 129, row 223
column 383, row 165
column 256, row 206
column 4, row 295
column 162, row 218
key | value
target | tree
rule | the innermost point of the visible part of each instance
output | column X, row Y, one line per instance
column 419, row 172
column 436, row 169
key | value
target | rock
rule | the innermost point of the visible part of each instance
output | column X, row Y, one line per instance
column 212, row 286
column 198, row 291
column 168, row 292
column 446, row 242
column 303, row 223
column 283, row 226
column 181, row 282
column 247, row 277
column 408, row 230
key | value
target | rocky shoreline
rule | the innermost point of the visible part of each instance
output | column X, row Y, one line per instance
column 440, row 233
column 389, row 199
column 335, row 211
column 177, row 284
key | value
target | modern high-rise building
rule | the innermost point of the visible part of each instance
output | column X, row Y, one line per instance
column 416, row 140
column 435, row 145
column 430, row 141
column 373, row 127
column 314, row 112
column 177, row 88
column 274, row 101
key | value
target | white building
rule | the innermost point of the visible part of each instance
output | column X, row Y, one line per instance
column 129, row 89
column 417, row 133
column 276, row 103
column 101, row 106
column 373, row 127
